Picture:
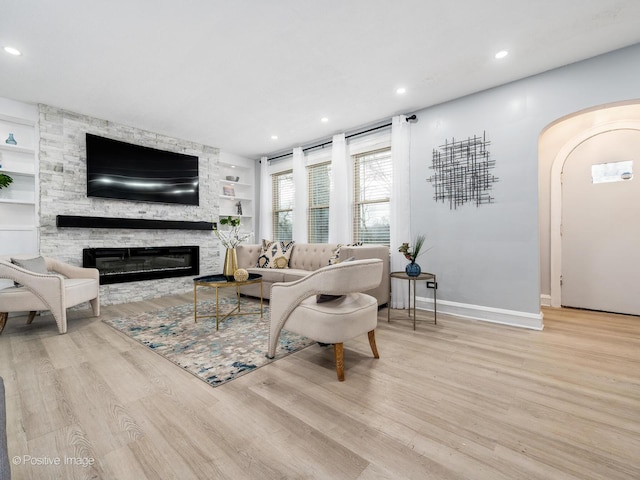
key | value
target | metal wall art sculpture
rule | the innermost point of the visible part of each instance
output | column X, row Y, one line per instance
column 462, row 172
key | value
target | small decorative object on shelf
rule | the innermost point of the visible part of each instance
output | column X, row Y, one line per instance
column 240, row 275
column 412, row 269
column 11, row 140
column 228, row 191
column 239, row 208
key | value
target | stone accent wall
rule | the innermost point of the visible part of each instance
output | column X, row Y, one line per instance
column 63, row 191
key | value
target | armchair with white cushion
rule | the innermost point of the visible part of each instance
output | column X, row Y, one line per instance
column 296, row 307
column 52, row 285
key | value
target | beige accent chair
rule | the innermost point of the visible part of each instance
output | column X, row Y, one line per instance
column 295, row 308
column 63, row 287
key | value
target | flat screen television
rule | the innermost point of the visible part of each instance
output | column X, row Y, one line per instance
column 132, row 172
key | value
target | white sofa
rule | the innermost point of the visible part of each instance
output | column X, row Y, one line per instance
column 63, row 286
column 307, row 258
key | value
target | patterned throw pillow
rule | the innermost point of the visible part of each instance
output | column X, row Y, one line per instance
column 335, row 257
column 275, row 254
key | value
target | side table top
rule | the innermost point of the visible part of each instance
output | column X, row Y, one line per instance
column 220, row 279
column 422, row 276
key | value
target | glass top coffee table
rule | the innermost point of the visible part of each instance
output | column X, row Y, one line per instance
column 219, row 281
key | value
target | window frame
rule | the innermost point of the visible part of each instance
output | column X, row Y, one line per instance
column 276, row 199
column 358, row 203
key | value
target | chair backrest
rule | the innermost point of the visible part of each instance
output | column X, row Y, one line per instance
column 346, row 277
column 340, row 279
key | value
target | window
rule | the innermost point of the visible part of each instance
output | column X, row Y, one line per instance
column 372, row 188
column 283, row 200
column 612, row 172
column 319, row 181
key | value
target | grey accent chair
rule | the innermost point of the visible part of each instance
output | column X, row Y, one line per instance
column 296, row 307
column 61, row 287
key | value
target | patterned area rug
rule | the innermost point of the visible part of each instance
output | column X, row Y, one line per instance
column 239, row 347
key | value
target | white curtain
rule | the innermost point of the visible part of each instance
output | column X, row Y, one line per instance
column 301, row 198
column 400, row 206
column 340, row 196
column 266, row 225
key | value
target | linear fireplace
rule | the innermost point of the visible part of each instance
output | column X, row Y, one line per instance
column 119, row 265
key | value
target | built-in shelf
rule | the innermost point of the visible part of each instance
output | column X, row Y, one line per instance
column 17, row 201
column 17, row 148
column 17, row 120
column 17, row 228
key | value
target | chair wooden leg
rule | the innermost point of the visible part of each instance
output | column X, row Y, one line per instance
column 372, row 342
column 338, row 350
column 32, row 315
column 3, row 320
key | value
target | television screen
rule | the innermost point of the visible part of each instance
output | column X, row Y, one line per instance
column 131, row 172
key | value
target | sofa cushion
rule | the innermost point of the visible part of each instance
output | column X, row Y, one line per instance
column 293, row 274
column 270, row 275
column 275, row 254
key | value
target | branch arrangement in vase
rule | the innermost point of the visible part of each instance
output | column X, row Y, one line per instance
column 233, row 237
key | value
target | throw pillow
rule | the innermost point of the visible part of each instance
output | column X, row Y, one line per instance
column 335, row 257
column 275, row 254
column 37, row 265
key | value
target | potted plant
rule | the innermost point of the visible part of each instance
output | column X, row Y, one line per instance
column 413, row 269
column 5, row 180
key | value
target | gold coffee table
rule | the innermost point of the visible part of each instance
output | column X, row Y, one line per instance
column 219, row 281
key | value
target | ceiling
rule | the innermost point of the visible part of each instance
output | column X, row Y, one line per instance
column 231, row 74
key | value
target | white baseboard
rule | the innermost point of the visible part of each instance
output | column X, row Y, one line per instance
column 545, row 300
column 486, row 314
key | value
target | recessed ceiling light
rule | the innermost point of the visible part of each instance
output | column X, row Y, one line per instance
column 274, row 137
column 324, row 119
column 501, row 54
column 12, row 51
column 401, row 90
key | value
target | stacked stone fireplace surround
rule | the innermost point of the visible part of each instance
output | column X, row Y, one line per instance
column 63, row 191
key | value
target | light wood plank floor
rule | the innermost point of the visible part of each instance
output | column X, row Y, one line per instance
column 457, row 400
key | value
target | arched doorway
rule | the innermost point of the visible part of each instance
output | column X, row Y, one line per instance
column 600, row 229
column 557, row 142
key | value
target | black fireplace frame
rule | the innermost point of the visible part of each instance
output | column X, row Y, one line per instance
column 91, row 255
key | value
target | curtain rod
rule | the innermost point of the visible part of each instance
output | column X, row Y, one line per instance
column 379, row 127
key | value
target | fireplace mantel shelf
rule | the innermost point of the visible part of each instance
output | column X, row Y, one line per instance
column 74, row 221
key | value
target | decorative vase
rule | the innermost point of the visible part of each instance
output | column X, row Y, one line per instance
column 11, row 140
column 413, row 269
column 230, row 263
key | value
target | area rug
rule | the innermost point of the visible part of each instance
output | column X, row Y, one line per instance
column 238, row 347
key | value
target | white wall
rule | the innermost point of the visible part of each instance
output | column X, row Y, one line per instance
column 487, row 257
